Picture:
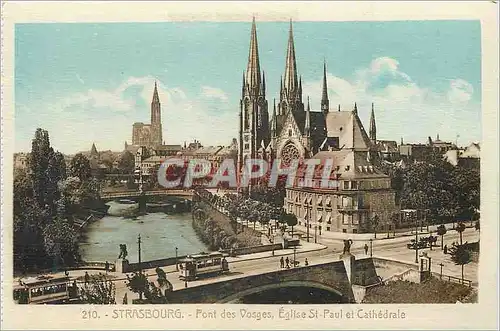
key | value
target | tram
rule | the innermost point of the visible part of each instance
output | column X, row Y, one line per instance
column 194, row 266
column 42, row 290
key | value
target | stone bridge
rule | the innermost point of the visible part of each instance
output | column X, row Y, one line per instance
column 133, row 195
column 335, row 277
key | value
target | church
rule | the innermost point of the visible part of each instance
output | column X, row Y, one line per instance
column 294, row 131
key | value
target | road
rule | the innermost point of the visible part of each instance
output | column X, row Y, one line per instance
column 389, row 248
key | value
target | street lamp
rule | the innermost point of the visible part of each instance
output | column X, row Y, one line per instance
column 315, row 234
column 307, row 219
column 371, row 247
column 441, row 272
column 176, row 263
column 294, row 254
column 416, row 239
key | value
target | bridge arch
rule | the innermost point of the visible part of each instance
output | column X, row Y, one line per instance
column 294, row 283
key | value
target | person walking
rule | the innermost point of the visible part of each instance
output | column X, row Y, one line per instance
column 282, row 262
column 445, row 249
column 287, row 261
column 306, row 263
column 366, row 249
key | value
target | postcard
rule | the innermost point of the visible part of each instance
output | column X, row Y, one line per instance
column 249, row 165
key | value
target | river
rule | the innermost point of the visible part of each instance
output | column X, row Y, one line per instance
column 160, row 233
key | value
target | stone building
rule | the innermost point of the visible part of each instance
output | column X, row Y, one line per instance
column 295, row 131
column 149, row 134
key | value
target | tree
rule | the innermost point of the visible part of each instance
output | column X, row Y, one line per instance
column 126, row 163
column 138, row 283
column 441, row 231
column 61, row 242
column 80, row 167
column 99, row 290
column 432, row 240
column 460, row 228
column 374, row 223
column 460, row 256
column 291, row 220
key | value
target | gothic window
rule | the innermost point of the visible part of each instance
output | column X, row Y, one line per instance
column 289, row 132
column 289, row 153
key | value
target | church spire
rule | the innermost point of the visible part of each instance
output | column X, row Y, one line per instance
column 253, row 67
column 355, row 110
column 373, row 127
column 291, row 64
column 307, row 125
column 274, row 119
column 156, row 98
column 325, row 103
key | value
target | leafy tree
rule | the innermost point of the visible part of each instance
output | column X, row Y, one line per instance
column 441, row 231
column 291, row 220
column 138, row 283
column 126, row 163
column 460, row 255
column 99, row 290
column 460, row 228
column 80, row 167
column 61, row 242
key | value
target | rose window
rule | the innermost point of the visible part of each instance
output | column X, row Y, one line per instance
column 289, row 153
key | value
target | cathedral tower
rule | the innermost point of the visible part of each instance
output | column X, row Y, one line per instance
column 156, row 129
column 291, row 86
column 254, row 117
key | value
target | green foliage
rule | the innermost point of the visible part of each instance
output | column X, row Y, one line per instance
column 61, row 242
column 460, row 255
column 99, row 290
column 138, row 283
column 126, row 163
column 80, row 167
column 441, row 231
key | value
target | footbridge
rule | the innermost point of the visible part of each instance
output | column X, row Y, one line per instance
column 136, row 194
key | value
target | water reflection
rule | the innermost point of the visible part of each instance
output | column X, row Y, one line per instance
column 160, row 233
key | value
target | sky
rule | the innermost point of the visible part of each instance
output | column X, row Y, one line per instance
column 88, row 83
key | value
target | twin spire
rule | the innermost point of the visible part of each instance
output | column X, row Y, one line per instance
column 291, row 82
column 253, row 77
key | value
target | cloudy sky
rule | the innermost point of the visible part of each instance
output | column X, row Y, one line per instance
column 88, row 83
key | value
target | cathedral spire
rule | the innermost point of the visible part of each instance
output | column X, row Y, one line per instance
column 274, row 119
column 307, row 125
column 325, row 103
column 291, row 64
column 156, row 98
column 373, row 127
column 253, row 67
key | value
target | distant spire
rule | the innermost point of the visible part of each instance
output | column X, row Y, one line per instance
column 93, row 150
column 307, row 125
column 355, row 108
column 156, row 98
column 339, row 106
column 325, row 103
column 291, row 81
column 437, row 136
column 402, row 141
column 253, row 67
column 273, row 120
column 373, row 127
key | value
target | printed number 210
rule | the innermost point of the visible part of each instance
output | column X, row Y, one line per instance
column 89, row 314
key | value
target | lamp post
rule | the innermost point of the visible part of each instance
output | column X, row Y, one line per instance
column 315, row 234
column 371, row 247
column 294, row 254
column 307, row 219
column 416, row 239
column 441, row 271
column 176, row 262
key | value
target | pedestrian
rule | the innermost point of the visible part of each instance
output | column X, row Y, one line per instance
column 66, row 273
column 287, row 261
column 366, row 249
column 282, row 262
column 125, row 299
column 445, row 249
column 306, row 262
column 87, row 277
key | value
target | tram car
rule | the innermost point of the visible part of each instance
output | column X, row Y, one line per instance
column 42, row 290
column 203, row 264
